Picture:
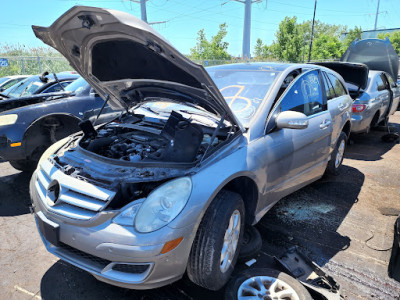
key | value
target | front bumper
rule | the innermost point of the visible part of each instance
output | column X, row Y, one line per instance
column 117, row 254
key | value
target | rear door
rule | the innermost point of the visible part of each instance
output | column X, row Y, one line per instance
column 338, row 103
column 395, row 92
column 384, row 96
column 295, row 156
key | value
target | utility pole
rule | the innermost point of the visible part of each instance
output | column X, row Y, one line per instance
column 312, row 31
column 376, row 16
column 246, row 26
column 143, row 12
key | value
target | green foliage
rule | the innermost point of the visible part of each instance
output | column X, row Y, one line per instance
column 394, row 38
column 326, row 47
column 261, row 51
column 216, row 48
column 288, row 44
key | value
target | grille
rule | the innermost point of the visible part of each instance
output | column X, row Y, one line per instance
column 134, row 269
column 97, row 261
column 76, row 199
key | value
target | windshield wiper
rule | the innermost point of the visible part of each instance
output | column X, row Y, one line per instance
column 5, row 96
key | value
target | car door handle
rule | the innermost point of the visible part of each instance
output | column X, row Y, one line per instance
column 325, row 124
column 342, row 106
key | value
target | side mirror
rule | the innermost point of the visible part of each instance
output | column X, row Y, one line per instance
column 381, row 88
column 292, row 120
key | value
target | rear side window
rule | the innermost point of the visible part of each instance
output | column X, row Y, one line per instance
column 305, row 95
column 337, row 85
column 380, row 84
column 330, row 92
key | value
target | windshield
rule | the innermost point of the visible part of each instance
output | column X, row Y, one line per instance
column 24, row 88
column 77, row 86
column 243, row 89
column 4, row 79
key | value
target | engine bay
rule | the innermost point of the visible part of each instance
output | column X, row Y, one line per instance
column 138, row 138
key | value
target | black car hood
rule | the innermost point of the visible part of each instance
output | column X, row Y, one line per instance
column 13, row 103
column 377, row 54
column 354, row 73
column 115, row 51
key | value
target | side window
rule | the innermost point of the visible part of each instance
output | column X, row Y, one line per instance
column 380, row 84
column 391, row 81
column 305, row 95
column 56, row 87
column 330, row 92
column 337, row 85
column 10, row 84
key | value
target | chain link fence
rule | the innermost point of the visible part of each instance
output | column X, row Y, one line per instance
column 21, row 65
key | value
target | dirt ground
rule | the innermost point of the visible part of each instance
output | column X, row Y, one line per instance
column 344, row 223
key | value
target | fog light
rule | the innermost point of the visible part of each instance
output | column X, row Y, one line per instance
column 171, row 245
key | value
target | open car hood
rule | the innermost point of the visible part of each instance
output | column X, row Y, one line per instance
column 354, row 73
column 116, row 52
column 377, row 54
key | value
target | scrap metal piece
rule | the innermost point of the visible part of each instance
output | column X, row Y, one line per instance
column 310, row 275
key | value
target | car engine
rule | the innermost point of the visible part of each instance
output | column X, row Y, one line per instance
column 138, row 139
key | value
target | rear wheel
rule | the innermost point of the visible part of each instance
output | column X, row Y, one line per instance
column 335, row 164
column 251, row 244
column 216, row 246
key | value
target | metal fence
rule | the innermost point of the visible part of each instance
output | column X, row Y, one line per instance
column 34, row 65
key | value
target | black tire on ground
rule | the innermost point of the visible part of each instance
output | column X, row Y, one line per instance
column 232, row 289
column 204, row 265
column 251, row 244
column 24, row 165
column 333, row 168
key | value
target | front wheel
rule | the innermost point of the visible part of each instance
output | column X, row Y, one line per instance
column 216, row 246
column 24, row 165
column 335, row 164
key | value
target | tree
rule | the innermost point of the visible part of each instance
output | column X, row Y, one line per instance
column 288, row 44
column 351, row 35
column 326, row 47
column 216, row 48
column 261, row 51
column 394, row 38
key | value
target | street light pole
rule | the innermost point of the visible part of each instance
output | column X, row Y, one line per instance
column 312, row 31
column 376, row 16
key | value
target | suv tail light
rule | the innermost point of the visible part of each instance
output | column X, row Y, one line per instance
column 358, row 108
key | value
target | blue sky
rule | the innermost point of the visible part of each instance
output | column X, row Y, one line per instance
column 185, row 18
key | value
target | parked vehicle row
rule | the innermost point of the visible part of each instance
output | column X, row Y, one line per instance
column 196, row 156
column 8, row 81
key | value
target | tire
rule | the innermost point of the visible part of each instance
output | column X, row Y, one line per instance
column 24, row 165
column 234, row 289
column 335, row 164
column 204, row 266
column 251, row 244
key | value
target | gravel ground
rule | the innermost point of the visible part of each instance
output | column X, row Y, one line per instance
column 343, row 223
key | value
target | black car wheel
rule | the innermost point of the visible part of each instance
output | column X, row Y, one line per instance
column 216, row 246
column 334, row 165
column 263, row 284
column 251, row 244
column 23, row 165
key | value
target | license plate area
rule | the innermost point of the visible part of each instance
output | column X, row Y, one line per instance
column 49, row 229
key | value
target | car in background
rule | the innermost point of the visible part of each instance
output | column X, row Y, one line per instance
column 167, row 187
column 37, row 84
column 372, row 83
column 9, row 81
column 25, row 132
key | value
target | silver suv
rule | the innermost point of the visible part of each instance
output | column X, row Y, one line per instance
column 168, row 187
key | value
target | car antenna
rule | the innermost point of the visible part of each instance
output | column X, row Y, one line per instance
column 56, row 78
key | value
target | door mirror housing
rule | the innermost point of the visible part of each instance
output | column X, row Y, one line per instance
column 381, row 88
column 291, row 120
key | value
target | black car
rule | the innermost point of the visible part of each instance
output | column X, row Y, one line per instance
column 38, row 84
column 27, row 131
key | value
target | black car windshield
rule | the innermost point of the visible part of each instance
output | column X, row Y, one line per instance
column 77, row 86
column 24, row 88
column 243, row 89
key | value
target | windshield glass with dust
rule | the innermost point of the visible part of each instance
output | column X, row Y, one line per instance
column 243, row 89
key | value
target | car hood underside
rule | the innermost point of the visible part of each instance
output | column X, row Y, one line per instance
column 116, row 52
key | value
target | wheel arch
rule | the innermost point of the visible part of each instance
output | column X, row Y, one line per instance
column 30, row 139
column 347, row 128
